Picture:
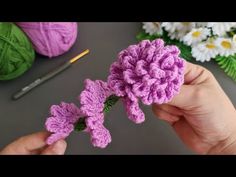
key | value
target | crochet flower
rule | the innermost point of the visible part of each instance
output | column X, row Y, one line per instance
column 92, row 100
column 61, row 122
column 133, row 111
column 148, row 71
column 100, row 137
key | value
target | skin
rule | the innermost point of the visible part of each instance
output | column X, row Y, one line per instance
column 34, row 144
column 202, row 115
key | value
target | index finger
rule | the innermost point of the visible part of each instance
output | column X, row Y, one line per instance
column 27, row 144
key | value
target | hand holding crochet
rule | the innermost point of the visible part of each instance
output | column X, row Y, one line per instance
column 34, row 144
column 201, row 114
column 148, row 72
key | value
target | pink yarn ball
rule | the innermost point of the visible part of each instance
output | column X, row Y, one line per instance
column 50, row 38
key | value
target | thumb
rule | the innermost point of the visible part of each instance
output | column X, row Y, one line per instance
column 57, row 148
column 185, row 98
column 194, row 76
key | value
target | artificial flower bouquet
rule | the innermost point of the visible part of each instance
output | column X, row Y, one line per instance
column 200, row 41
column 148, row 72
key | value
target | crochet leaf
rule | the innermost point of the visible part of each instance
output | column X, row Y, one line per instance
column 185, row 50
column 111, row 101
column 228, row 64
column 80, row 125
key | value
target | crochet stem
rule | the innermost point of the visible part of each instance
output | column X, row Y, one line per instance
column 110, row 101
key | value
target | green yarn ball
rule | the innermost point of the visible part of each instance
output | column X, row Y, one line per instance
column 16, row 51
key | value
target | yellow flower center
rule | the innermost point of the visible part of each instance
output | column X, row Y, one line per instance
column 210, row 46
column 226, row 44
column 196, row 34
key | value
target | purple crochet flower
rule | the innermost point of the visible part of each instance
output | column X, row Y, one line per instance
column 100, row 137
column 148, row 71
column 62, row 120
column 92, row 101
column 134, row 112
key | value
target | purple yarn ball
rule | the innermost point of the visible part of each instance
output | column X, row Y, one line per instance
column 50, row 38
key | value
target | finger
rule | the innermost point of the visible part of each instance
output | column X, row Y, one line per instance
column 57, row 148
column 189, row 137
column 192, row 72
column 170, row 109
column 27, row 144
column 163, row 115
column 194, row 76
column 185, row 97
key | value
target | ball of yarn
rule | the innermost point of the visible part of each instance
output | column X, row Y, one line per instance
column 50, row 38
column 16, row 51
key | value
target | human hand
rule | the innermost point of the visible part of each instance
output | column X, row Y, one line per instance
column 34, row 144
column 201, row 114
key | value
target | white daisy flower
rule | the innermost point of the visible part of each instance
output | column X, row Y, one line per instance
column 185, row 26
column 226, row 46
column 196, row 35
column 176, row 35
column 205, row 51
column 220, row 28
column 201, row 24
column 176, row 30
column 152, row 27
column 169, row 26
column 234, row 38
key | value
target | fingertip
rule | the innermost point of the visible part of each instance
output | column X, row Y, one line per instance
column 58, row 148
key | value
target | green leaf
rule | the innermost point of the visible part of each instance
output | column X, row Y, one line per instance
column 228, row 64
column 185, row 50
column 80, row 125
column 111, row 100
column 142, row 36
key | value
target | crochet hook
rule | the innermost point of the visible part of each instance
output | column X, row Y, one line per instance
column 48, row 76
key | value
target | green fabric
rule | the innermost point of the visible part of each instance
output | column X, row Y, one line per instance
column 16, row 52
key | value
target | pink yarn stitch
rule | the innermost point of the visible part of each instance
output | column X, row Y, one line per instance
column 100, row 137
column 148, row 71
column 92, row 100
column 133, row 111
column 61, row 122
